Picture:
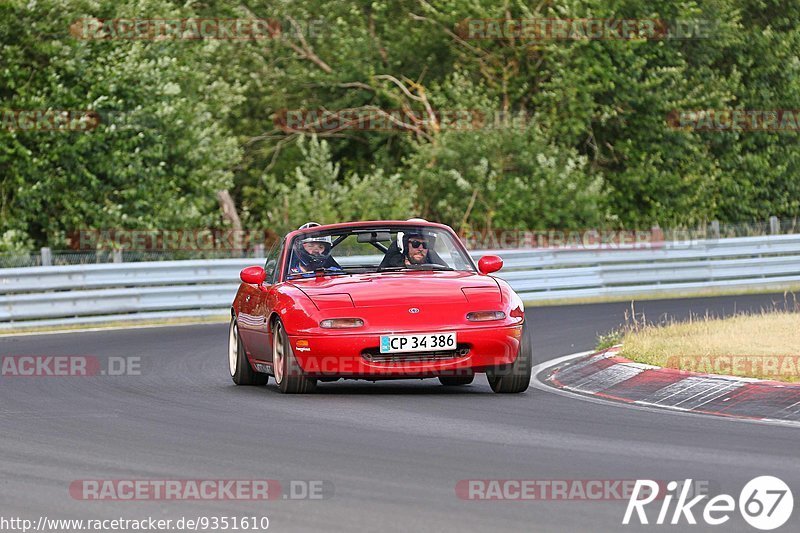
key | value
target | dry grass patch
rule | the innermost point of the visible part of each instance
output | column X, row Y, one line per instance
column 765, row 345
column 705, row 292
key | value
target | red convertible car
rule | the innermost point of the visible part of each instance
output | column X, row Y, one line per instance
column 376, row 300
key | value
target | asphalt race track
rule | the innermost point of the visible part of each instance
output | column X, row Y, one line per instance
column 392, row 451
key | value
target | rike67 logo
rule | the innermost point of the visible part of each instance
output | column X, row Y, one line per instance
column 765, row 503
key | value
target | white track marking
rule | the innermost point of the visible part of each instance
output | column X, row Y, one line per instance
column 537, row 384
column 606, row 378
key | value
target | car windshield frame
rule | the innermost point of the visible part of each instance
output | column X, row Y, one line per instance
column 339, row 234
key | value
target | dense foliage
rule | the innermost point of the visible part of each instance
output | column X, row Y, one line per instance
column 576, row 132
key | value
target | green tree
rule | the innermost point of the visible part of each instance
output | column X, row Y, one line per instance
column 161, row 151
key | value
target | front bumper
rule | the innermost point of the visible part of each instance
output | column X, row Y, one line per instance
column 357, row 355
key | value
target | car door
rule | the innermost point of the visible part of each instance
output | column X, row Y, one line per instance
column 256, row 308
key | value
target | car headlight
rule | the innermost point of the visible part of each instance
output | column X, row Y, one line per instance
column 341, row 323
column 484, row 316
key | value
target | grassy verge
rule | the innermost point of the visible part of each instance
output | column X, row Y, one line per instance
column 671, row 295
column 765, row 345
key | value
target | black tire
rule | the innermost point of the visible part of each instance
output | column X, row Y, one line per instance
column 516, row 377
column 238, row 365
column 288, row 374
column 455, row 381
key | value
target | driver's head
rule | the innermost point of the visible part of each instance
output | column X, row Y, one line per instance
column 312, row 251
column 416, row 248
column 314, row 247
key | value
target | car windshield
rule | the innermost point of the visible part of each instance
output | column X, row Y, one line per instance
column 376, row 249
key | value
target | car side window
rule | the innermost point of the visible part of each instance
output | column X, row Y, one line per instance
column 271, row 266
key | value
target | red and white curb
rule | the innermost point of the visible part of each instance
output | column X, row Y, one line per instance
column 608, row 377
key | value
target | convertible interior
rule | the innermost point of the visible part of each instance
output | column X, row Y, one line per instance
column 383, row 241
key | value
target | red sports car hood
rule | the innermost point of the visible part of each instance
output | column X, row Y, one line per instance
column 400, row 288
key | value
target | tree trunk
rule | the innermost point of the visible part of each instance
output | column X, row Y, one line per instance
column 229, row 213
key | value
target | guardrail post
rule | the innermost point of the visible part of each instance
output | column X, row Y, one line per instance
column 258, row 250
column 715, row 229
column 774, row 225
column 117, row 256
column 47, row 257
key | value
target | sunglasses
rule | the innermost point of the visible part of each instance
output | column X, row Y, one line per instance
column 417, row 244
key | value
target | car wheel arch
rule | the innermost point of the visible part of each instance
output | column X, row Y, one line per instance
column 273, row 319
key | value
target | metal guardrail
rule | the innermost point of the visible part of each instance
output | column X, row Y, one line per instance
column 83, row 294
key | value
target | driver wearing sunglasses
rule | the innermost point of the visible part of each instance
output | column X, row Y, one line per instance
column 417, row 249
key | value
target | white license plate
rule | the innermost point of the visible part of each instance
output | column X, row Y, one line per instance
column 427, row 342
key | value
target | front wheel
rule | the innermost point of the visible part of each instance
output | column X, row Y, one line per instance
column 288, row 374
column 516, row 377
column 238, row 365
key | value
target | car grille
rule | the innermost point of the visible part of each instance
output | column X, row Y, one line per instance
column 374, row 355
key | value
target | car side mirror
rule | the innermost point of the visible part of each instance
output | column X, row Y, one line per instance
column 254, row 275
column 489, row 263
